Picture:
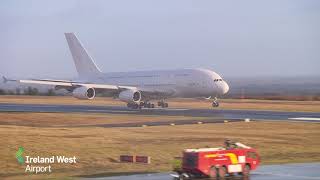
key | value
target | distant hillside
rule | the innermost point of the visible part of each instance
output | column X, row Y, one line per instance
column 300, row 88
column 31, row 89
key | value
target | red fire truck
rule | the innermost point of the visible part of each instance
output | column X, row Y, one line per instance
column 217, row 162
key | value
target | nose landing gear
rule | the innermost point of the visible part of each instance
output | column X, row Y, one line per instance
column 215, row 102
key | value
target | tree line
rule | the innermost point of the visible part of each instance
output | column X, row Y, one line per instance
column 27, row 91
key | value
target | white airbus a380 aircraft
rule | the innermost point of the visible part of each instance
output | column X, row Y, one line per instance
column 137, row 89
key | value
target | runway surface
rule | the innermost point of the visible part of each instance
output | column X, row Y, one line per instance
column 214, row 113
column 308, row 171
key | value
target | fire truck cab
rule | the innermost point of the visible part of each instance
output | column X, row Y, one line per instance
column 218, row 162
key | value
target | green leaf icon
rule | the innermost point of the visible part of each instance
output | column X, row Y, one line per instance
column 19, row 155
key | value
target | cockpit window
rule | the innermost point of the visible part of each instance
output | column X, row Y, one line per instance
column 217, row 80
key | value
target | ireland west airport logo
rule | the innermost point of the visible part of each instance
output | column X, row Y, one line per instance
column 41, row 164
column 19, row 156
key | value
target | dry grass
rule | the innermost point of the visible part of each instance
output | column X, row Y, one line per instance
column 275, row 105
column 96, row 148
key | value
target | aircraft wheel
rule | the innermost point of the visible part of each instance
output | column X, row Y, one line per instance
column 135, row 106
column 152, row 105
column 129, row 105
column 142, row 104
column 215, row 104
column 166, row 105
column 148, row 105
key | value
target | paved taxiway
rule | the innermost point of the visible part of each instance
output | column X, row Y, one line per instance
column 308, row 171
column 216, row 116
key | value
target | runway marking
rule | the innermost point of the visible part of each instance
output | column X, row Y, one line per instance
column 306, row 118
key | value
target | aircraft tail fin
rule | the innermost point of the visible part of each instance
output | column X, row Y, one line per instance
column 84, row 63
column 5, row 80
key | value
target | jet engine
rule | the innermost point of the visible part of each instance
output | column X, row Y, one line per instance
column 84, row 93
column 130, row 95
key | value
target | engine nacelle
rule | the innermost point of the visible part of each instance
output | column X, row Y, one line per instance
column 130, row 95
column 84, row 93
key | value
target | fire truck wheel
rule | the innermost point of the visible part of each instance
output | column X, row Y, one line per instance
column 213, row 172
column 178, row 178
column 222, row 172
column 246, row 170
column 183, row 176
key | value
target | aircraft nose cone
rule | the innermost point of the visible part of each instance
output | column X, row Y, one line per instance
column 224, row 88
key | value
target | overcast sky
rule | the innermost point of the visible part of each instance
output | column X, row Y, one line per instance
column 234, row 38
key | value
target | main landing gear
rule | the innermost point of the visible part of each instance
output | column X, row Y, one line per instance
column 142, row 104
column 133, row 105
column 163, row 104
column 147, row 104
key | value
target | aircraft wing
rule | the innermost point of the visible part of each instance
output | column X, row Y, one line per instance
column 71, row 85
column 65, row 84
